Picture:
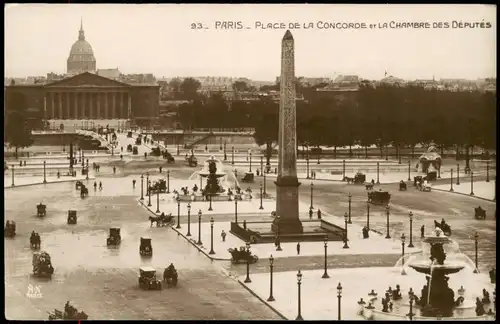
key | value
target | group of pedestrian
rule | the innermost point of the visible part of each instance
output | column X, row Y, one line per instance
column 95, row 185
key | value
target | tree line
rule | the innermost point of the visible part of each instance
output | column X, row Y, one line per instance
column 384, row 115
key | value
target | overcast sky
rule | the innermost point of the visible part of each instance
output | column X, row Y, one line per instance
column 158, row 39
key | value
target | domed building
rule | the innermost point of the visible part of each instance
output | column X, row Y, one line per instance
column 81, row 57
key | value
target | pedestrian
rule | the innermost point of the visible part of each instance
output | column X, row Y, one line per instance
column 121, row 148
column 121, row 156
column 20, row 163
column 114, row 170
column 58, row 174
column 223, row 236
column 133, row 183
column 145, row 155
column 298, row 248
column 319, row 214
column 310, row 213
column 160, row 169
column 95, row 186
column 422, row 229
column 24, row 163
column 100, row 185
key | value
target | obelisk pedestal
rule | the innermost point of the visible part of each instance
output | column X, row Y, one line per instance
column 287, row 184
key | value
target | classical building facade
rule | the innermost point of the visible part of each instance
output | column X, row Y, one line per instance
column 88, row 96
column 81, row 56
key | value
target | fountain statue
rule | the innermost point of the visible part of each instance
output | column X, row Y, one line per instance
column 212, row 187
column 437, row 297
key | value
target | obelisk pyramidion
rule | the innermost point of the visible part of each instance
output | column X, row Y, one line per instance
column 287, row 184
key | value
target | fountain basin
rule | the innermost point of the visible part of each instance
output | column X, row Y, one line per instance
column 425, row 267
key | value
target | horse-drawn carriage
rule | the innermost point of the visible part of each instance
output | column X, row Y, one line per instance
column 138, row 140
column 78, row 185
column 192, row 161
column 145, row 249
column 248, row 177
column 135, row 150
column 359, row 178
column 431, row 176
column 147, row 279
column 479, row 213
column 446, row 228
column 114, row 237
column 169, row 157
column 242, row 255
column 402, row 186
column 41, row 210
column 70, row 313
column 72, row 219
column 10, row 229
column 159, row 186
column 379, row 197
column 170, row 276
column 162, row 220
column 84, row 191
column 35, row 240
column 422, row 183
column 42, row 266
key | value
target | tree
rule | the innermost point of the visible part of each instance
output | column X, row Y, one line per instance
column 17, row 128
column 240, row 86
column 175, row 87
column 266, row 129
column 189, row 88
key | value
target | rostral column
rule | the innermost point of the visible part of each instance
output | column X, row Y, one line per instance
column 287, row 184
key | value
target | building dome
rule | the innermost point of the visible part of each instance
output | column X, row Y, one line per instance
column 81, row 56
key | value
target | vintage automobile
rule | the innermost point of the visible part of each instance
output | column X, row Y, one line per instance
column 10, row 229
column 417, row 180
column 359, row 178
column 169, row 157
column 129, row 135
column 72, row 219
column 35, row 240
column 78, row 185
column 192, row 161
column 446, row 228
column 379, row 197
column 159, row 186
column 129, row 148
column 42, row 266
column 248, row 177
column 41, row 210
column 114, row 237
column 402, row 186
column 479, row 213
column 135, row 150
column 242, row 255
column 170, row 276
column 424, row 186
column 84, row 191
column 431, row 176
column 70, row 313
column 138, row 140
column 145, row 249
column 147, row 279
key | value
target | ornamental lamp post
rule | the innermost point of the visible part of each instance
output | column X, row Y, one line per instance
column 299, row 282
column 399, row 154
column 325, row 274
column 142, row 186
column 271, row 266
column 487, row 171
column 225, row 155
column 472, row 183
column 87, row 173
column 409, row 167
column 476, row 237
column 451, row 181
column 458, row 174
column 307, row 162
column 247, row 279
column 199, row 228
column 168, row 181
column 147, row 182
column 339, row 297
column 410, row 245
column 149, row 193
column 265, row 194
column 368, row 215
column 312, row 189
column 378, row 172
column 410, row 314
column 387, row 209
column 158, row 201
column 13, row 185
column 345, row 238
column 211, row 236
column 235, row 210
column 261, row 207
column 403, row 254
column 178, row 212
column 250, row 167
column 278, row 220
column 343, row 170
column 232, row 155
column 210, row 202
column 261, row 165
column 350, row 197
column 44, row 173
column 189, row 219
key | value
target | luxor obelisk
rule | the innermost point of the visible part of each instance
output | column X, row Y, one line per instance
column 287, row 184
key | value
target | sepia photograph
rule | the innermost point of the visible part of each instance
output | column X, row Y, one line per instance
column 259, row 162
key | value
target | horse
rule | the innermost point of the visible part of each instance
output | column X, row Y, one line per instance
column 84, row 192
column 369, row 186
column 349, row 179
column 170, row 276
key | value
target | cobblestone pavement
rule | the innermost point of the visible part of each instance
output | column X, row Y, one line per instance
column 102, row 281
